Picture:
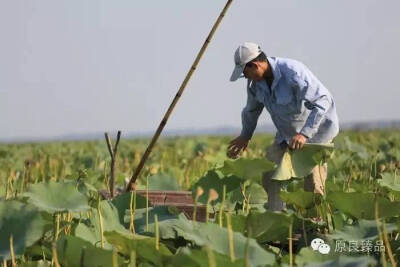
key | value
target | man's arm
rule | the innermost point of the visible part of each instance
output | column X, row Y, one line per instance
column 317, row 99
column 250, row 114
column 279, row 138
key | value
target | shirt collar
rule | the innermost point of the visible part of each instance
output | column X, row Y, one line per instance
column 275, row 70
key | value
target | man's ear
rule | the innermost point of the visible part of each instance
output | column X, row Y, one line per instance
column 256, row 64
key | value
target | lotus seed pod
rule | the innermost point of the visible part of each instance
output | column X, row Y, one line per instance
column 199, row 191
column 212, row 195
column 382, row 167
column 153, row 169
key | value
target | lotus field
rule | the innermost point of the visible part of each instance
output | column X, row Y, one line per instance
column 53, row 209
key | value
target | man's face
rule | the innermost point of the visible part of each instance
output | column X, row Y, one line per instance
column 253, row 71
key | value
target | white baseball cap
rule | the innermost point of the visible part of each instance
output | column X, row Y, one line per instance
column 245, row 53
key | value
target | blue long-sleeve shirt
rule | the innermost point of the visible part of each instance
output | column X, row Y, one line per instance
column 297, row 102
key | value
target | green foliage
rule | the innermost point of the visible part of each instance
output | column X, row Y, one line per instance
column 57, row 197
column 269, row 226
column 215, row 237
column 247, row 169
column 63, row 179
column 362, row 205
column 363, row 230
column 162, row 182
column 89, row 230
column 299, row 163
column 143, row 246
column 21, row 221
column 122, row 204
column 213, row 180
column 390, row 181
column 299, row 198
column 201, row 258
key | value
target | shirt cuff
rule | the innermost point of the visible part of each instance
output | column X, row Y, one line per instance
column 245, row 135
column 307, row 131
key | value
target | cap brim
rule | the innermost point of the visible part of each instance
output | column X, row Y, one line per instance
column 237, row 72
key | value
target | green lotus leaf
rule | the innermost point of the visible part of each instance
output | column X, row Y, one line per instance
column 200, row 258
column 73, row 251
column 122, row 203
column 144, row 246
column 163, row 213
column 162, row 181
column 213, row 180
column 390, row 181
column 70, row 249
column 356, row 148
column 308, row 256
column 23, row 222
column 268, row 226
column 299, row 198
column 215, row 237
column 362, row 205
column 57, row 197
column 238, row 222
column 90, row 231
column 247, row 169
column 299, row 163
column 345, row 261
column 256, row 194
column 40, row 263
column 364, row 230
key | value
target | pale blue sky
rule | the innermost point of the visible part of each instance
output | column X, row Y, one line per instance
column 93, row 66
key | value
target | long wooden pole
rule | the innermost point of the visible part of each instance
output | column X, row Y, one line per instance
column 146, row 154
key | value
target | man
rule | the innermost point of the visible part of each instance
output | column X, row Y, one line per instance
column 301, row 108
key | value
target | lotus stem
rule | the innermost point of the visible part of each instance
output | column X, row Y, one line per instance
column 132, row 262
column 247, row 253
column 102, row 241
column 147, row 203
column 248, row 205
column 243, row 191
column 55, row 255
column 82, row 259
column 56, row 225
column 157, row 232
column 13, row 263
column 210, row 257
column 221, row 209
column 230, row 237
column 383, row 257
column 132, row 209
column 106, row 180
column 304, row 232
column 199, row 192
column 114, row 257
column 389, row 248
column 4, row 263
column 291, row 243
column 69, row 218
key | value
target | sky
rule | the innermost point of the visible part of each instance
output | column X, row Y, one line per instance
column 78, row 67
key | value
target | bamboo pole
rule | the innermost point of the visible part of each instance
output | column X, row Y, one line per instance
column 163, row 122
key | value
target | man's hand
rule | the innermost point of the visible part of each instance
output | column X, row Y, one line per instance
column 236, row 146
column 298, row 141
